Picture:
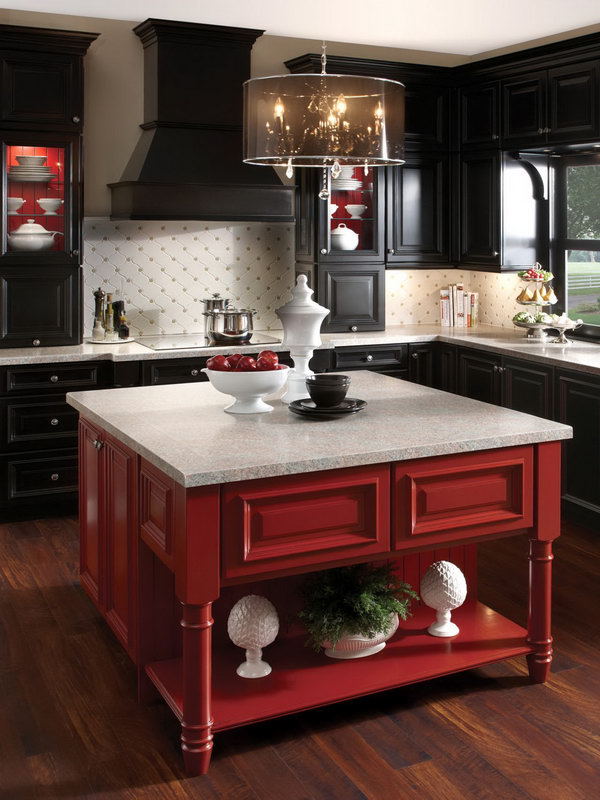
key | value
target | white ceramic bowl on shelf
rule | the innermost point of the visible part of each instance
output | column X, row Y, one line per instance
column 32, row 161
column 50, row 204
column 248, row 388
column 356, row 210
column 13, row 204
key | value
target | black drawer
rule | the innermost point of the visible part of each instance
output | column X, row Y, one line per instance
column 394, row 356
column 39, row 478
column 52, row 378
column 177, row 370
column 36, row 423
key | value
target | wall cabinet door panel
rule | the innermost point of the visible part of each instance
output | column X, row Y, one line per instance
column 480, row 117
column 427, row 115
column 524, row 109
column 418, row 211
column 355, row 295
column 573, row 102
column 480, row 208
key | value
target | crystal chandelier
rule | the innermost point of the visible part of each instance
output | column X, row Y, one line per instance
column 323, row 120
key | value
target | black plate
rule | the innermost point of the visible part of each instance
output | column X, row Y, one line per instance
column 306, row 408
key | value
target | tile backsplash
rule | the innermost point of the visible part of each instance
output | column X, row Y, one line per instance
column 163, row 270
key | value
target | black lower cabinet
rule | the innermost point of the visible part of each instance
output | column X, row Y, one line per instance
column 34, row 482
column 46, row 317
column 422, row 363
column 386, row 359
column 578, row 399
column 355, row 296
column 479, row 376
column 527, row 387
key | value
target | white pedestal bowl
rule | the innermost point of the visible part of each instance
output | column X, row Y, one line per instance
column 248, row 388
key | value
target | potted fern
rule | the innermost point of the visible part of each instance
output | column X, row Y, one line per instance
column 353, row 611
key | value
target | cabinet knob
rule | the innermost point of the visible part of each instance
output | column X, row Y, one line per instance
column 495, row 137
column 495, row 253
column 54, row 476
column 74, row 252
column 193, row 372
column 369, row 357
column 354, row 328
column 391, row 251
column 323, row 251
column 54, row 421
column 76, row 119
column 53, row 378
column 415, row 355
column 36, row 343
column 98, row 444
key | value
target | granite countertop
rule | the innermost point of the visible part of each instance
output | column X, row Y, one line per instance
column 183, row 430
column 580, row 355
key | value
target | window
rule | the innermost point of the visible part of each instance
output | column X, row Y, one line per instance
column 577, row 244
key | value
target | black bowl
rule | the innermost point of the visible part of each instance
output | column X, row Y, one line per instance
column 327, row 390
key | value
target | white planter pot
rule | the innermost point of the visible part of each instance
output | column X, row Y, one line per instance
column 361, row 646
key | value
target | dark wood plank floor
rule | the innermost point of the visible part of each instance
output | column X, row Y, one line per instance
column 70, row 726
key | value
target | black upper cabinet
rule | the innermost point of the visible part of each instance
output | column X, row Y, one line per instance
column 555, row 106
column 39, row 306
column 41, row 77
column 426, row 115
column 355, row 295
column 479, row 115
column 480, row 208
column 418, row 211
column 573, row 102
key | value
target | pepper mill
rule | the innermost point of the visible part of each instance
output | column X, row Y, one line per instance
column 99, row 333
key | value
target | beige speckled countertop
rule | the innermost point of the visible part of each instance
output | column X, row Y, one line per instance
column 183, row 430
column 579, row 355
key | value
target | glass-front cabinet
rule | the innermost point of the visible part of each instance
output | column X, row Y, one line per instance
column 351, row 223
column 40, row 199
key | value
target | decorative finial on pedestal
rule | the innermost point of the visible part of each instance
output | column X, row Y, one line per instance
column 443, row 588
column 253, row 624
column 301, row 318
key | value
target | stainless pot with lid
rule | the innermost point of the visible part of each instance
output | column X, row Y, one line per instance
column 216, row 302
column 229, row 325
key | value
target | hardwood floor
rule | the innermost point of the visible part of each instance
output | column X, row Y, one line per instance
column 70, row 726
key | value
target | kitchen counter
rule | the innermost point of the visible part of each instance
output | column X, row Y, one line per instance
column 580, row 355
column 183, row 431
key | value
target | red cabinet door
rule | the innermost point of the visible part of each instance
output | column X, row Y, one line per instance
column 285, row 524
column 442, row 499
column 120, row 533
column 90, row 511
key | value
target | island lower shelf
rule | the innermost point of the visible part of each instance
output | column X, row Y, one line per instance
column 302, row 679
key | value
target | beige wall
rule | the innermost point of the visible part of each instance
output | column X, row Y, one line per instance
column 114, row 81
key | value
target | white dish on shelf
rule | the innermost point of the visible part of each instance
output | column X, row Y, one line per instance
column 50, row 205
column 111, row 341
column 31, row 178
column 356, row 210
column 32, row 161
column 14, row 204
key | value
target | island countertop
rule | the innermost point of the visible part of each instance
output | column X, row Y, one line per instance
column 183, row 430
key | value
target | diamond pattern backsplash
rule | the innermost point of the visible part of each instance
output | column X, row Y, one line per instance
column 163, row 270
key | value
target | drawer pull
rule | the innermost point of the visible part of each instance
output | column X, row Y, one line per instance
column 369, row 357
column 36, row 343
column 53, row 378
column 353, row 328
column 193, row 373
column 54, row 476
column 54, row 421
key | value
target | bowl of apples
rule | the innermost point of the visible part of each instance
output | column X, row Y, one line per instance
column 247, row 380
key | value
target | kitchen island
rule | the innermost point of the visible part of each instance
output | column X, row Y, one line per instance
column 184, row 509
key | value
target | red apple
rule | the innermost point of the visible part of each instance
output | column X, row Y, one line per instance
column 219, row 363
column 279, row 366
column 246, row 364
column 271, row 355
column 265, row 364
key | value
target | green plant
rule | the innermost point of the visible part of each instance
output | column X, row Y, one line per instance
column 349, row 601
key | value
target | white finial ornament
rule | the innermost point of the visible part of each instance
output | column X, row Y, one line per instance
column 301, row 318
column 444, row 588
column 253, row 624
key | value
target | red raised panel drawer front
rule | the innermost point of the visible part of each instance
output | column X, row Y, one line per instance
column 452, row 497
column 299, row 520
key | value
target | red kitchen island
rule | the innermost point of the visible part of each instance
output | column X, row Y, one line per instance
column 184, row 509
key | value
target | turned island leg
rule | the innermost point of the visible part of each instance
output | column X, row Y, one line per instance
column 539, row 633
column 196, row 723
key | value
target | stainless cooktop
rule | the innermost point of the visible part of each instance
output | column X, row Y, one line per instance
column 190, row 341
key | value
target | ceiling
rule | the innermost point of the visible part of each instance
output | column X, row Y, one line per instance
column 465, row 27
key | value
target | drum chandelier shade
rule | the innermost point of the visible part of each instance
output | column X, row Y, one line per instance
column 322, row 120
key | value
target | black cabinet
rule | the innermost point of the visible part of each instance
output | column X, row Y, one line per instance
column 39, row 306
column 480, row 208
column 559, row 105
column 422, row 363
column 426, row 114
column 578, row 398
column 418, row 211
column 355, row 295
column 389, row 360
column 479, row 375
column 446, row 366
column 527, row 387
column 479, row 115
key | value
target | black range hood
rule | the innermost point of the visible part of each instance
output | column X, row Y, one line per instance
column 188, row 161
